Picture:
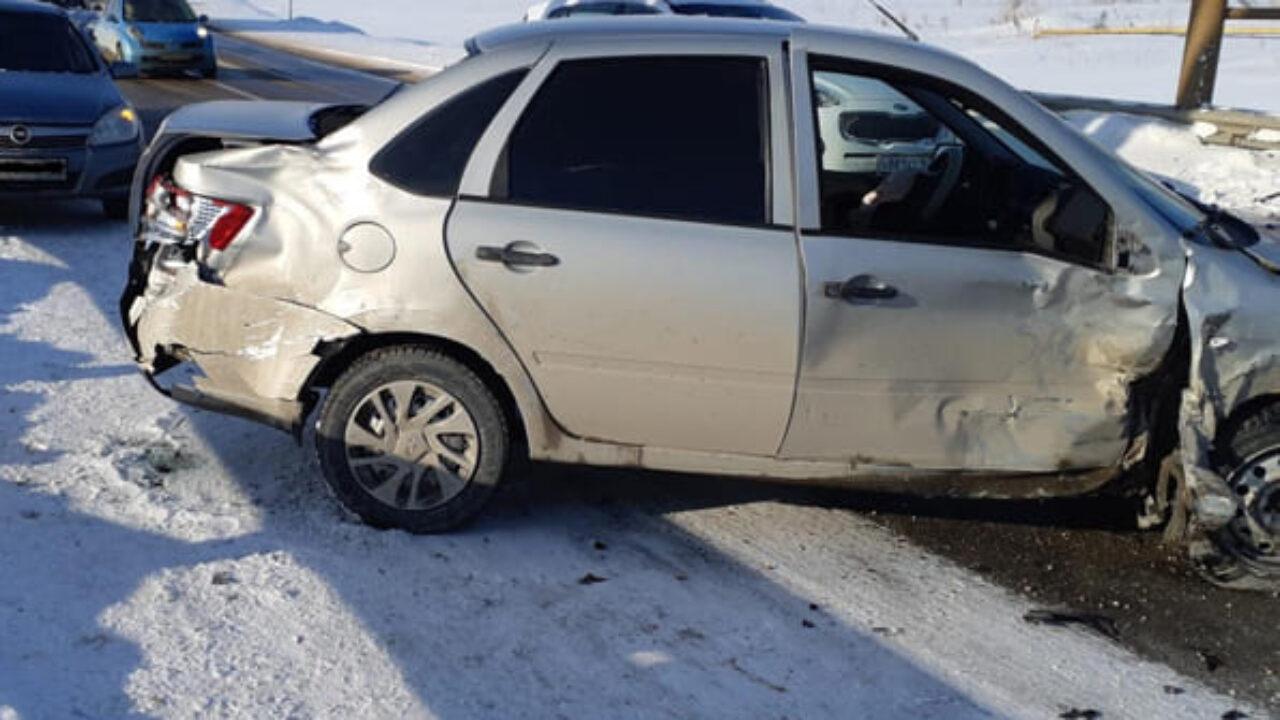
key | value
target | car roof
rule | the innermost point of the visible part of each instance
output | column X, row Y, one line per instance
column 627, row 26
column 672, row 26
column 30, row 6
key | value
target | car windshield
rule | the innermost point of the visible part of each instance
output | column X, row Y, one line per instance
column 767, row 12
column 31, row 42
column 159, row 11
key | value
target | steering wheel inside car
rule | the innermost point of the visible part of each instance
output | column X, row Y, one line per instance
column 944, row 170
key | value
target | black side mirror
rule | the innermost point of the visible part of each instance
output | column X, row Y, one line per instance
column 123, row 70
column 203, row 19
column 1079, row 226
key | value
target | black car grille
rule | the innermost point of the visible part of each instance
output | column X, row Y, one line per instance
column 154, row 45
column 45, row 141
column 886, row 127
column 35, row 174
column 194, row 45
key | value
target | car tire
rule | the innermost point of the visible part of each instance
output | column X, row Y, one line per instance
column 435, row 465
column 1248, row 457
column 116, row 208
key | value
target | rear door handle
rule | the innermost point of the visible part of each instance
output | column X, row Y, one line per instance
column 512, row 255
column 860, row 287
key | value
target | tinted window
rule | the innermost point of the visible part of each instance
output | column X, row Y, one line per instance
column 766, row 12
column 429, row 157
column 171, row 11
column 42, row 43
column 670, row 137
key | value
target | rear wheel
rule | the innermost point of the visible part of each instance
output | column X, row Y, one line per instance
column 410, row 438
column 1246, row 553
column 210, row 72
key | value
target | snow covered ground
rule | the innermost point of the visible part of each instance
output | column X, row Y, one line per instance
column 167, row 562
column 998, row 34
column 173, row 563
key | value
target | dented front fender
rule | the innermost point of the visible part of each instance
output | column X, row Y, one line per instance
column 1235, row 357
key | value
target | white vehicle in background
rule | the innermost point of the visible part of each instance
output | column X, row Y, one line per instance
column 879, row 129
column 556, row 9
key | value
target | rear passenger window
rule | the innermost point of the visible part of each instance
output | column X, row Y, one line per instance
column 430, row 157
column 674, row 137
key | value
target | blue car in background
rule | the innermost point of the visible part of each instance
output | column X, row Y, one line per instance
column 65, row 130
column 155, row 36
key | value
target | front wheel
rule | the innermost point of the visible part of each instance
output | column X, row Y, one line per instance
column 410, row 438
column 1246, row 553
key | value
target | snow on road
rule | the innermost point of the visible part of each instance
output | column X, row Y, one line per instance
column 173, row 563
column 167, row 562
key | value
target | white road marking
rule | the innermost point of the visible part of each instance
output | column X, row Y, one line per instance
column 237, row 91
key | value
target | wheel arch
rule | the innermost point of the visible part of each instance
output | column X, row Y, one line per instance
column 337, row 356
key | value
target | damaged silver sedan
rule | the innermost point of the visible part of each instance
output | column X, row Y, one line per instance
column 707, row 246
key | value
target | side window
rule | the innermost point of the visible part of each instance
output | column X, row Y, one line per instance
column 921, row 164
column 675, row 137
column 430, row 157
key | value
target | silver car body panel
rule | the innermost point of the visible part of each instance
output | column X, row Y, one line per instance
column 1049, row 391
column 692, row 327
column 1231, row 303
column 989, row 359
column 262, row 120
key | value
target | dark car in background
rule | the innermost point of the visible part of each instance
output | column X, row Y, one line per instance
column 65, row 130
column 155, row 35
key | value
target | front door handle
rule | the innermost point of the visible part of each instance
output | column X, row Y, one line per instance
column 512, row 255
column 860, row 287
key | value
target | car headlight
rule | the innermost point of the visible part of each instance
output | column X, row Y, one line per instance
column 135, row 32
column 202, row 32
column 117, row 126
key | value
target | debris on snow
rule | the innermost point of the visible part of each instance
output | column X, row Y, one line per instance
column 1101, row 624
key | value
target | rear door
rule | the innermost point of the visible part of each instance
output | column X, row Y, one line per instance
column 626, row 222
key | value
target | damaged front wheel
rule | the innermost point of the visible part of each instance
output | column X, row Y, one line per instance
column 1246, row 552
column 410, row 438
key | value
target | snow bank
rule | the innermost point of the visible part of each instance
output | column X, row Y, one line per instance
column 1245, row 181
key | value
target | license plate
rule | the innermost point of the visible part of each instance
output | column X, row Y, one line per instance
column 893, row 163
column 33, row 169
column 175, row 57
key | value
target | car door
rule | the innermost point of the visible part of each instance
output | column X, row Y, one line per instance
column 626, row 223
column 965, row 307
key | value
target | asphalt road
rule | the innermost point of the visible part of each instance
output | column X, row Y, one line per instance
column 1082, row 556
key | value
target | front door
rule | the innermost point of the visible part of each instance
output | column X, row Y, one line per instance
column 962, row 307
column 627, row 251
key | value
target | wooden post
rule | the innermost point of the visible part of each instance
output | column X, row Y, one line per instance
column 1200, row 58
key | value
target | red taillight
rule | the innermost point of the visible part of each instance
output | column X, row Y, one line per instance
column 175, row 216
column 231, row 220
